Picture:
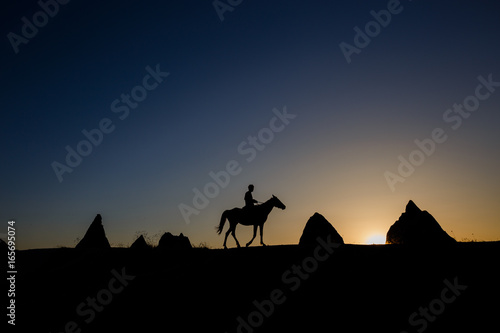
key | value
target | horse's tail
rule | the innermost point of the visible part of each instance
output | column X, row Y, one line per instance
column 222, row 222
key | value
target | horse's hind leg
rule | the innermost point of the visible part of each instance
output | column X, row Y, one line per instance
column 233, row 230
column 225, row 238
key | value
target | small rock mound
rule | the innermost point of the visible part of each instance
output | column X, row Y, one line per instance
column 417, row 227
column 318, row 226
column 171, row 242
column 140, row 244
column 95, row 237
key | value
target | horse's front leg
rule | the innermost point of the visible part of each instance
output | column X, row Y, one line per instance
column 261, row 234
column 254, row 234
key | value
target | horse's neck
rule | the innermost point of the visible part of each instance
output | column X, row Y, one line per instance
column 267, row 206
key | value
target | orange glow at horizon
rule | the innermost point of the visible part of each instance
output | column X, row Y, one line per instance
column 376, row 239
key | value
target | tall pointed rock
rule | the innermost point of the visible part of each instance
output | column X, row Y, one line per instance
column 417, row 227
column 95, row 237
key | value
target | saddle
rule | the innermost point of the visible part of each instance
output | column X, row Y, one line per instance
column 249, row 210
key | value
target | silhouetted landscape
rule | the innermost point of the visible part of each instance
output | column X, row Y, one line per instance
column 426, row 283
column 250, row 166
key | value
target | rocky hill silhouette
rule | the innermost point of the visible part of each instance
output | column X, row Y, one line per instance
column 171, row 242
column 285, row 288
column 417, row 227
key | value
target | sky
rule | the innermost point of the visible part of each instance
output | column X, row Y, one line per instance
column 131, row 109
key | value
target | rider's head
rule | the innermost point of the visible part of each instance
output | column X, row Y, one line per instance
column 250, row 188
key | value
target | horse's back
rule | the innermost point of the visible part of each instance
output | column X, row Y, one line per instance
column 235, row 210
column 239, row 215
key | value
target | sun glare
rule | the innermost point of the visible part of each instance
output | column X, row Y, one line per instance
column 376, row 239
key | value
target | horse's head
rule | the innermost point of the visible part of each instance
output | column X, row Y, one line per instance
column 277, row 202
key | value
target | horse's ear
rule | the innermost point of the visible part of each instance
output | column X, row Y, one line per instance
column 274, row 196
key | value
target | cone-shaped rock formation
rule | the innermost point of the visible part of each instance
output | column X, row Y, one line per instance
column 95, row 237
column 140, row 244
column 318, row 226
column 417, row 227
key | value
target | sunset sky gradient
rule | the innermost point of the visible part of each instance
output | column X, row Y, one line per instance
column 351, row 120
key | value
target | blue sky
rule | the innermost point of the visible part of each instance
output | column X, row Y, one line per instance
column 225, row 78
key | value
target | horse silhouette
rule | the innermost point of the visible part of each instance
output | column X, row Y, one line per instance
column 255, row 216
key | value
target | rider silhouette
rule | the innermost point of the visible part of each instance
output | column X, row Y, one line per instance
column 249, row 200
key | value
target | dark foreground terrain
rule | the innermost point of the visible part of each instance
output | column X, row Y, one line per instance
column 352, row 288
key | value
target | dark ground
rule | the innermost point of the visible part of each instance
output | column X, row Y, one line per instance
column 356, row 289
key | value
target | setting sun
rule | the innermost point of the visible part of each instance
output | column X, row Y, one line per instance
column 376, row 239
